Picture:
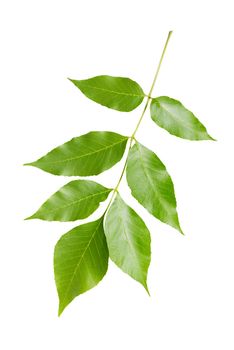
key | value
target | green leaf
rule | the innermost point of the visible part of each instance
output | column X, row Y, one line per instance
column 118, row 93
column 151, row 185
column 89, row 154
column 171, row 115
column 76, row 200
column 128, row 240
column 80, row 261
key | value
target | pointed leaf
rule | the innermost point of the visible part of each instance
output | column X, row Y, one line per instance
column 76, row 200
column 151, row 185
column 89, row 154
column 128, row 240
column 80, row 261
column 171, row 115
column 122, row 94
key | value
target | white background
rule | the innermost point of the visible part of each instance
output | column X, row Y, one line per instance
column 191, row 278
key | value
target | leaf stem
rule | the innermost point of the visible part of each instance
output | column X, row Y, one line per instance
column 132, row 138
column 153, row 83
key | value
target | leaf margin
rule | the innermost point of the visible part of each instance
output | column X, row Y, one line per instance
column 155, row 102
column 136, row 217
column 141, row 95
column 177, row 226
column 60, row 190
column 64, row 304
column 36, row 163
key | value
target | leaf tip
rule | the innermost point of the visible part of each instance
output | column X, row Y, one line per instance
column 30, row 217
column 144, row 283
column 61, row 309
column 211, row 138
column 71, row 80
column 180, row 230
column 147, row 290
column 183, row 234
column 176, row 225
column 60, row 312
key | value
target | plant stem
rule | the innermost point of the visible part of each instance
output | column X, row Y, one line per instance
column 160, row 62
column 152, row 86
column 132, row 138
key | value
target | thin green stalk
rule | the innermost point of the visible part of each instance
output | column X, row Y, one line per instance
column 132, row 138
column 152, row 86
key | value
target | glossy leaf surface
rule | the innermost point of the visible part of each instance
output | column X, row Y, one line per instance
column 80, row 261
column 151, row 185
column 89, row 154
column 76, row 200
column 122, row 94
column 128, row 240
column 172, row 116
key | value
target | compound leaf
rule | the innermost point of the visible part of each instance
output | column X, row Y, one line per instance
column 128, row 240
column 89, row 154
column 122, row 94
column 76, row 200
column 151, row 185
column 172, row 116
column 80, row 261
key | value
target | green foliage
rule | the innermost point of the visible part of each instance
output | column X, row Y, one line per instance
column 81, row 255
column 80, row 261
column 76, row 200
column 128, row 240
column 172, row 116
column 118, row 93
column 151, row 184
column 89, row 154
